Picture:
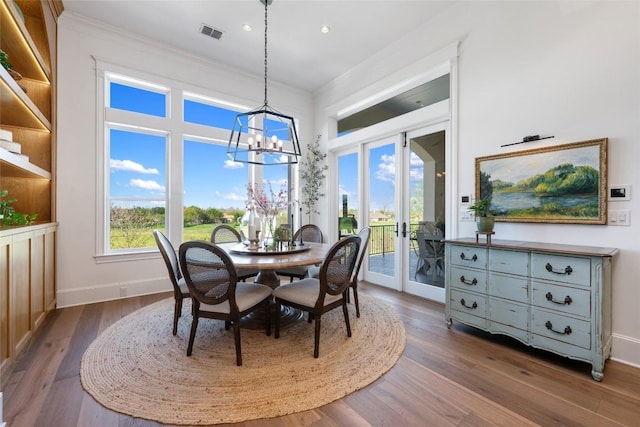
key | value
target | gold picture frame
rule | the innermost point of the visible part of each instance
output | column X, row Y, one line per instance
column 560, row 184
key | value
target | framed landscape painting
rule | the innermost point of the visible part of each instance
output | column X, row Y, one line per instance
column 561, row 184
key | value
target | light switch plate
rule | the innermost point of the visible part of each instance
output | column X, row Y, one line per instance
column 621, row 217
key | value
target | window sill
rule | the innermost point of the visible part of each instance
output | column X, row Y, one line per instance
column 126, row 257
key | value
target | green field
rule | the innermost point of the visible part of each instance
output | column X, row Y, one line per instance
column 143, row 237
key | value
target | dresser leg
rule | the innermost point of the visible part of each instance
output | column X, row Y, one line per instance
column 449, row 323
column 597, row 375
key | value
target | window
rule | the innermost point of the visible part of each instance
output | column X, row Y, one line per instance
column 138, row 100
column 137, row 187
column 136, row 140
column 169, row 170
column 215, row 189
column 421, row 96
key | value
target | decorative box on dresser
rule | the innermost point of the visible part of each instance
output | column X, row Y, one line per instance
column 28, row 31
column 549, row 296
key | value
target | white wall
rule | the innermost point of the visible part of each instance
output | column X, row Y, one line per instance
column 568, row 69
column 80, row 279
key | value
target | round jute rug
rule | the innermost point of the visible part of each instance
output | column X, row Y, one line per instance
column 137, row 367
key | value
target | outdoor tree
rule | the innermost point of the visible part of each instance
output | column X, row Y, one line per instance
column 130, row 226
column 193, row 215
column 312, row 169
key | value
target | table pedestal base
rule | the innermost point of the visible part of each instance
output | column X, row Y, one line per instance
column 255, row 320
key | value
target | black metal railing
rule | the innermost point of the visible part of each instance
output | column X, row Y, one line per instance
column 382, row 240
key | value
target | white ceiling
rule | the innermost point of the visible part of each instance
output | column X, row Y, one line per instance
column 298, row 53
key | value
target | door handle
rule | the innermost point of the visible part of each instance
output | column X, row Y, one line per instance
column 396, row 229
column 404, row 229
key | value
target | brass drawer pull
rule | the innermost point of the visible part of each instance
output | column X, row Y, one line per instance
column 469, row 282
column 567, row 329
column 473, row 306
column 567, row 299
column 567, row 270
column 463, row 257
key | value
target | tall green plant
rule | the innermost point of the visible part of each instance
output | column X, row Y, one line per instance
column 313, row 174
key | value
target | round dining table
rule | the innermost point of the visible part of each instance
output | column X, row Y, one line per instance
column 267, row 262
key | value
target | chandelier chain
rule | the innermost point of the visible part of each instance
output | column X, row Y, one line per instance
column 265, row 53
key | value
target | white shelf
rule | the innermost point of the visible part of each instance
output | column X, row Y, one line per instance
column 17, row 166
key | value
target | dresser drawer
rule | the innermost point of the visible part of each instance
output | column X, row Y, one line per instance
column 469, row 308
column 512, row 262
column 514, row 288
column 509, row 314
column 561, row 269
column 469, row 256
column 561, row 328
column 562, row 299
column 468, row 279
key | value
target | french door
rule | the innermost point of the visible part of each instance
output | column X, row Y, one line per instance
column 402, row 183
column 383, row 211
column 424, row 210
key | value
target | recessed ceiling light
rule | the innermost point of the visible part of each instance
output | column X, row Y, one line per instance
column 246, row 27
column 325, row 29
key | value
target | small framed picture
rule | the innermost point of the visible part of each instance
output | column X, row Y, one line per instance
column 619, row 193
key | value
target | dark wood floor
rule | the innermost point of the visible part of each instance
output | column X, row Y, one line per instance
column 457, row 377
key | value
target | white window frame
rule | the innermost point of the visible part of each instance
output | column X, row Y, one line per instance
column 176, row 131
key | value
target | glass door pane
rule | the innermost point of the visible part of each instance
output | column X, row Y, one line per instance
column 426, row 213
column 383, row 265
column 348, row 194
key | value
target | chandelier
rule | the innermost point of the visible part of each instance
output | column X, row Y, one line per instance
column 264, row 136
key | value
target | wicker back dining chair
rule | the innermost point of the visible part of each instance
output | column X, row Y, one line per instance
column 327, row 292
column 364, row 234
column 180, row 290
column 224, row 233
column 309, row 233
column 215, row 291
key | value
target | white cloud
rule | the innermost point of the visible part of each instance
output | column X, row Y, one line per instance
column 416, row 174
column 386, row 168
column 146, row 185
column 131, row 166
column 415, row 160
column 235, row 197
column 230, row 164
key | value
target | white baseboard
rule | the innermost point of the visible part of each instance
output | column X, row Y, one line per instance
column 111, row 291
column 626, row 350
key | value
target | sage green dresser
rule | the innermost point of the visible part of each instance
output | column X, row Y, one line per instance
column 549, row 296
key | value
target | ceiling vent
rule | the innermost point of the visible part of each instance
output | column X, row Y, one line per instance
column 208, row 30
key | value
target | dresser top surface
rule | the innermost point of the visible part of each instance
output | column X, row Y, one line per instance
column 538, row 246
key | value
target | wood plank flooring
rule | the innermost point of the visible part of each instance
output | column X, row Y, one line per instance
column 456, row 377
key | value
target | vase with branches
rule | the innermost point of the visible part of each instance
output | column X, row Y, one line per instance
column 268, row 204
column 313, row 170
